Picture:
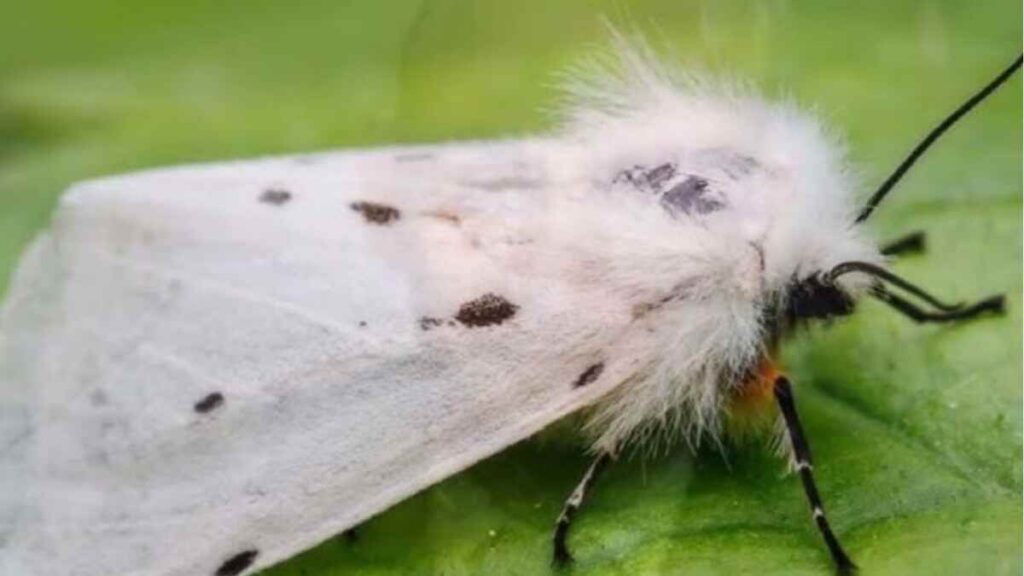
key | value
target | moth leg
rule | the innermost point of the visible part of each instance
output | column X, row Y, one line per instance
column 913, row 243
column 993, row 304
column 572, row 506
column 802, row 453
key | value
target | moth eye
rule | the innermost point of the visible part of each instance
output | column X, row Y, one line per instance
column 817, row 298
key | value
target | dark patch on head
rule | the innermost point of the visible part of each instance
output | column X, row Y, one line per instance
column 209, row 403
column 691, row 196
column 376, row 213
column 589, row 375
column 275, row 196
column 428, row 323
column 487, row 310
column 814, row 298
column 413, row 157
column 237, row 563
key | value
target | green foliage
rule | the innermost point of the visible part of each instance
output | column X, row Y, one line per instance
column 916, row 430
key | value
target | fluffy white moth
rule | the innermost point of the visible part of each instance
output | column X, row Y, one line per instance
column 208, row 369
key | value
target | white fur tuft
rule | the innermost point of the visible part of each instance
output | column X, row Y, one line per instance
column 790, row 218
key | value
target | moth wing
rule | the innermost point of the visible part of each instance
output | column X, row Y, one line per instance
column 215, row 367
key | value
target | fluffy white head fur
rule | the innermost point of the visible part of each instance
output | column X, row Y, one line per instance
column 786, row 212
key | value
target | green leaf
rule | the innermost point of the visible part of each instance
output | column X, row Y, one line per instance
column 916, row 430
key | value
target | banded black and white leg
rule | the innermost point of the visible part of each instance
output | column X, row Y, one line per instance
column 804, row 465
column 561, row 555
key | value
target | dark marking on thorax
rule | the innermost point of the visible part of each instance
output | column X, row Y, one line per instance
column 642, row 178
column 487, row 310
column 237, row 563
column 592, row 373
column 209, row 403
column 376, row 213
column 678, row 192
column 275, row 196
column 691, row 196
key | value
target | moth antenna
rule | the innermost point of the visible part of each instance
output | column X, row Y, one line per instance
column 932, row 136
column 883, row 274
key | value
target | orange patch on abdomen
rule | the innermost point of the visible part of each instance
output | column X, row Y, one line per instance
column 752, row 403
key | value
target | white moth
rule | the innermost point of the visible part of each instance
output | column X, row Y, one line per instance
column 207, row 369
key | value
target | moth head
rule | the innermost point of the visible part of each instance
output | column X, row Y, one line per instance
column 817, row 297
column 820, row 296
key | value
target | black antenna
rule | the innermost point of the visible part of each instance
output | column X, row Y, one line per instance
column 932, row 136
column 883, row 274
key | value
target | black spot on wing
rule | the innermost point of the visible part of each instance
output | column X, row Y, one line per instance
column 691, row 196
column 209, row 402
column 592, row 373
column 275, row 196
column 237, row 563
column 487, row 310
column 374, row 213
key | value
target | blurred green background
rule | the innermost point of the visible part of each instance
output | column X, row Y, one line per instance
column 917, row 430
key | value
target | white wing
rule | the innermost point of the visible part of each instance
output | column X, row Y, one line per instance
column 207, row 366
column 212, row 368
